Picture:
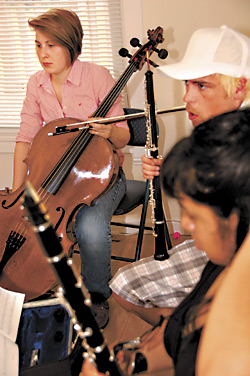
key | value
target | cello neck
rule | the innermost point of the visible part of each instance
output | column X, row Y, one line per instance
column 110, row 98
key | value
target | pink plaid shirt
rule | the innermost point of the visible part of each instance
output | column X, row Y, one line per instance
column 84, row 90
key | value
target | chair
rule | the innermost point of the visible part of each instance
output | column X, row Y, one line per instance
column 137, row 191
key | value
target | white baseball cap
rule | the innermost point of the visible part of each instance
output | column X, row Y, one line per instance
column 213, row 50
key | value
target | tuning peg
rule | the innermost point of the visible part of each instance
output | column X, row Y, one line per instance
column 123, row 52
column 135, row 42
column 161, row 53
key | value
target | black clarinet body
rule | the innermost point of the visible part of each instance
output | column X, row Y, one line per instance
column 160, row 229
column 74, row 292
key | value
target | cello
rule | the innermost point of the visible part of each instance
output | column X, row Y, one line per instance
column 73, row 174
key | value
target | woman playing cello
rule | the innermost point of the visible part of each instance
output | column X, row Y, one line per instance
column 68, row 87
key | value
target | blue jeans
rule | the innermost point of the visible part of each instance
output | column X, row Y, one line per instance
column 93, row 233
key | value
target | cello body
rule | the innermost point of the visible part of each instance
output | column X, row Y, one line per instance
column 26, row 270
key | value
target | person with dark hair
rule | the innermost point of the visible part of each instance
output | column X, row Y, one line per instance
column 68, row 87
column 216, row 72
column 225, row 342
column 209, row 174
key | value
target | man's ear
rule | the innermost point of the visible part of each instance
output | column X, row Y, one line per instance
column 240, row 90
column 234, row 220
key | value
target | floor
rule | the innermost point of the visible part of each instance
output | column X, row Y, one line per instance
column 122, row 325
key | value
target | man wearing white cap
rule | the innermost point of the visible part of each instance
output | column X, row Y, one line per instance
column 216, row 72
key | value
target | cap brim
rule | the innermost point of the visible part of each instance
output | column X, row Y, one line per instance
column 180, row 71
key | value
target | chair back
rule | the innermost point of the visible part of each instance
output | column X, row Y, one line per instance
column 137, row 127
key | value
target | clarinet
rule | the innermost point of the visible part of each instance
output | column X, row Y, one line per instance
column 155, row 198
column 71, row 286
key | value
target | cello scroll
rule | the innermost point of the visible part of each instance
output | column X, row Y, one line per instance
column 155, row 37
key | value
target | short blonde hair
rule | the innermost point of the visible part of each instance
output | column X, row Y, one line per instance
column 64, row 28
column 230, row 83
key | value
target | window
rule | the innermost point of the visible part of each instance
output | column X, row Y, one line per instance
column 101, row 21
